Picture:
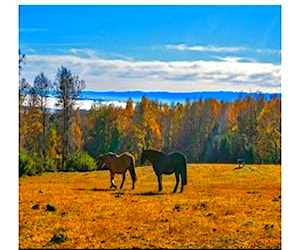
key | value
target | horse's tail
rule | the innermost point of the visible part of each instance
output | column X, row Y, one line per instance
column 132, row 169
column 184, row 171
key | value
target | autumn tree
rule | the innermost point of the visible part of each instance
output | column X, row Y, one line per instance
column 68, row 88
column 246, row 123
column 183, row 139
column 208, row 128
column 147, row 127
column 166, row 124
column 23, row 91
column 23, row 84
column 54, row 147
column 269, row 132
column 126, row 127
column 103, row 131
column 41, row 89
column 76, row 141
column 176, row 127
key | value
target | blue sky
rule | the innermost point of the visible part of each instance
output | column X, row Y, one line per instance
column 171, row 48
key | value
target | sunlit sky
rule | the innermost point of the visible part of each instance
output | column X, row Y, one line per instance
column 154, row 48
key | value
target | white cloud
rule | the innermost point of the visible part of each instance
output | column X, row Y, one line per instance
column 218, row 49
column 209, row 48
column 269, row 51
column 84, row 52
column 103, row 74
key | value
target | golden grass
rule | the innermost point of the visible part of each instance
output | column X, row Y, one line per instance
column 219, row 208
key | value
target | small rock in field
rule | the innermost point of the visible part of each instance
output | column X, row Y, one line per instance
column 227, row 213
column 177, row 207
column 40, row 192
column 50, row 208
column 268, row 226
column 214, row 229
column 248, row 223
column 36, row 206
column 58, row 239
column 102, row 241
column 199, row 205
column 277, row 198
column 164, row 220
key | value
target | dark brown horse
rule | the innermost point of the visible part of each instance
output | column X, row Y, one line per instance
column 118, row 164
column 167, row 164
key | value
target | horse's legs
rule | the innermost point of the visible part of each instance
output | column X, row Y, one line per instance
column 181, row 189
column 132, row 173
column 112, row 183
column 159, row 178
column 124, row 177
column 177, row 181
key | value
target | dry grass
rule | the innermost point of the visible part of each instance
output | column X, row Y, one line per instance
column 219, row 208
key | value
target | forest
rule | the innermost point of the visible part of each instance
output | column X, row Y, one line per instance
column 206, row 131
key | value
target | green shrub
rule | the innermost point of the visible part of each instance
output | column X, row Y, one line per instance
column 49, row 165
column 81, row 162
column 27, row 165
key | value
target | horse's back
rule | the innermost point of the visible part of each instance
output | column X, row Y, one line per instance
column 177, row 156
column 126, row 155
column 126, row 158
column 122, row 162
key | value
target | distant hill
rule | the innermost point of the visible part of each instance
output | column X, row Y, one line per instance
column 168, row 97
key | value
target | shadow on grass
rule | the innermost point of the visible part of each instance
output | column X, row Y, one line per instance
column 93, row 189
column 120, row 192
column 150, row 193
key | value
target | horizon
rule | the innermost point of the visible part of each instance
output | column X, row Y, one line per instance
column 120, row 98
column 155, row 47
column 181, row 92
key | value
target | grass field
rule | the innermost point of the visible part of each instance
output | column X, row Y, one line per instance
column 219, row 208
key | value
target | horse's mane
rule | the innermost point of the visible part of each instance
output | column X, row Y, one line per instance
column 107, row 154
column 116, row 155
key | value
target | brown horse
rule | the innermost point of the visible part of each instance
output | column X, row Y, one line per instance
column 118, row 164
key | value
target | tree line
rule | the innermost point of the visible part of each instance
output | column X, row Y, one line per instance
column 209, row 131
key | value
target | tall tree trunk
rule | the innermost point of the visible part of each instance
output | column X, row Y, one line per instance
column 44, row 146
column 65, row 133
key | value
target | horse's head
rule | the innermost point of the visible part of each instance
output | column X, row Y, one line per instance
column 100, row 162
